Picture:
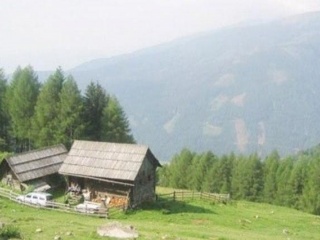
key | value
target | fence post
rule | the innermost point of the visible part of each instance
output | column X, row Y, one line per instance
column 174, row 196
column 107, row 212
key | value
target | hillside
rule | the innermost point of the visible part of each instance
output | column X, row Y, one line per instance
column 242, row 89
column 180, row 220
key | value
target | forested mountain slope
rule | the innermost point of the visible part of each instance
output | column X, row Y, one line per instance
column 242, row 89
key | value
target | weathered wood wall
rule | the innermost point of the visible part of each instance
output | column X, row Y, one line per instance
column 144, row 186
column 8, row 177
column 111, row 194
column 103, row 189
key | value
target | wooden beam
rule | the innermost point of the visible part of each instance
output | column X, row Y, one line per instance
column 101, row 179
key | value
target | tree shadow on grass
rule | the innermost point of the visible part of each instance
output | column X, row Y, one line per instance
column 174, row 207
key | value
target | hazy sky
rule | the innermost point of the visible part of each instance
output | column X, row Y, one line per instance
column 51, row 33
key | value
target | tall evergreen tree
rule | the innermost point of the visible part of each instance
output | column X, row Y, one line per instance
column 164, row 175
column 69, row 113
column 250, row 178
column 181, row 168
column 219, row 175
column 226, row 167
column 95, row 101
column 21, row 98
column 237, row 177
column 271, row 165
column 4, row 121
column 297, row 180
column 311, row 191
column 46, row 122
column 198, row 173
column 284, row 189
column 115, row 125
column 256, row 177
column 211, row 183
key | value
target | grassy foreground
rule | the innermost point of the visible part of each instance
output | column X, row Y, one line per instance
column 171, row 220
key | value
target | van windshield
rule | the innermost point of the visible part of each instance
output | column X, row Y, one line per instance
column 49, row 198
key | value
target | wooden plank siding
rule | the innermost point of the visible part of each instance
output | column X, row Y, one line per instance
column 107, row 168
column 145, row 184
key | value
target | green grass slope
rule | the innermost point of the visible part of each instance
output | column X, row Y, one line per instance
column 171, row 220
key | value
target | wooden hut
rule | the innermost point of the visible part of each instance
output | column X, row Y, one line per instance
column 112, row 172
column 36, row 168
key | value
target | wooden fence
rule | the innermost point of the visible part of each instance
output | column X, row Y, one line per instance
column 116, row 211
column 55, row 206
column 192, row 195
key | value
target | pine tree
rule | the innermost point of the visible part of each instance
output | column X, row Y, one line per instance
column 284, row 189
column 242, row 178
column 298, row 179
column 311, row 191
column 225, row 170
column 163, row 174
column 4, row 119
column 46, row 123
column 248, row 182
column 95, row 101
column 271, row 165
column 115, row 125
column 21, row 98
column 69, row 113
column 197, row 175
column 211, row 182
column 237, row 177
column 180, row 169
column 219, row 175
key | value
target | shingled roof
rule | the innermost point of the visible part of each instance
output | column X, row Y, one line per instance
column 106, row 160
column 37, row 163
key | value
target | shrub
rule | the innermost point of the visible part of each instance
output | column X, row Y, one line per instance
column 166, row 211
column 9, row 231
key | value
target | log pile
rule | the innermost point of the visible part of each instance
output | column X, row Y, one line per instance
column 118, row 202
column 112, row 201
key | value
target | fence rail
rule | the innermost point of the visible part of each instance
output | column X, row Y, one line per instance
column 192, row 195
column 56, row 206
column 117, row 210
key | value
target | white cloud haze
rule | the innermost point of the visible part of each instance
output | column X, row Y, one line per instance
column 51, row 33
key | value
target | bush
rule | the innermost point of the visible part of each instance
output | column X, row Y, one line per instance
column 9, row 231
column 166, row 211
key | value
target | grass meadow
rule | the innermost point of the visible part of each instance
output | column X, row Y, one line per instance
column 168, row 220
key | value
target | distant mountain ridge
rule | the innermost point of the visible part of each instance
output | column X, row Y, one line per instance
column 243, row 89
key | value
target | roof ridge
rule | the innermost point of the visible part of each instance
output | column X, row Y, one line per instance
column 102, row 142
column 40, row 158
column 38, row 150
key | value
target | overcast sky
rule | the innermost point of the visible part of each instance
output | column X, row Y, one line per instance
column 47, row 34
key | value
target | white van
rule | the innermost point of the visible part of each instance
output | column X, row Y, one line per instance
column 37, row 198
